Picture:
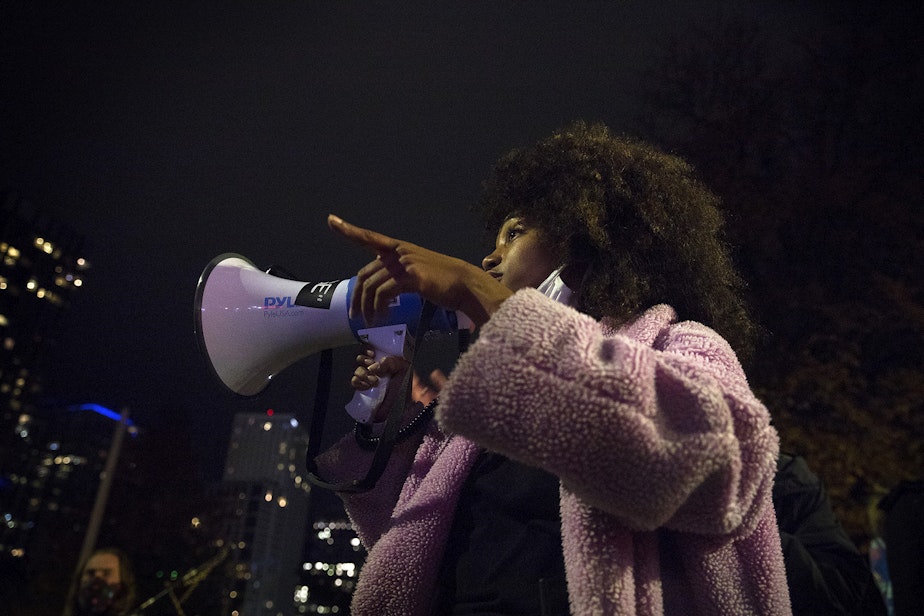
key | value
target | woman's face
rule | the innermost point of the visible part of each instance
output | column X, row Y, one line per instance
column 520, row 258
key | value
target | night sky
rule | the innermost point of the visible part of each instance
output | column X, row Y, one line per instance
column 171, row 132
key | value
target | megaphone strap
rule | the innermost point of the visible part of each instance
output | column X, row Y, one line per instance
column 385, row 443
column 364, row 438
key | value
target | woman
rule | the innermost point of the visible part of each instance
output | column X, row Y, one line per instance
column 584, row 395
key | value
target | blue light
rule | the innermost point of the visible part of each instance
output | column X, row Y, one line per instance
column 102, row 410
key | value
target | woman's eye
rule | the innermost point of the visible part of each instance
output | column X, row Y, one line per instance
column 513, row 233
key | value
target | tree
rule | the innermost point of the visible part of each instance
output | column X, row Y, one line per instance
column 815, row 146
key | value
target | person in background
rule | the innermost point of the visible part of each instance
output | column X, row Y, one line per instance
column 904, row 545
column 826, row 573
column 105, row 586
column 597, row 449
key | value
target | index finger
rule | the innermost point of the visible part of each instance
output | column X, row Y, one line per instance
column 367, row 238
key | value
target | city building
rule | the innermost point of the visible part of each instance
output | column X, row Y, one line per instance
column 333, row 556
column 51, row 491
column 266, row 496
column 290, row 548
column 41, row 268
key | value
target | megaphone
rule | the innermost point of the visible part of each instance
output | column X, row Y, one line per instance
column 252, row 325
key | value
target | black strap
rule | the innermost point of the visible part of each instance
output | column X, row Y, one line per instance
column 392, row 425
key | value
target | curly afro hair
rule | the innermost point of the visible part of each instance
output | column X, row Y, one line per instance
column 646, row 230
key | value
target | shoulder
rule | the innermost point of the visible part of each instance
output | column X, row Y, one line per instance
column 793, row 473
column 797, row 494
column 660, row 328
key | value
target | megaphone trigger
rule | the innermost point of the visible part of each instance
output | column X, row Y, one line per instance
column 388, row 340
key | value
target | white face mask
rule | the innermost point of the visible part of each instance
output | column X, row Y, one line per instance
column 555, row 288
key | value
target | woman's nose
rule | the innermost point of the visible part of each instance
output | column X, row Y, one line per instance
column 490, row 261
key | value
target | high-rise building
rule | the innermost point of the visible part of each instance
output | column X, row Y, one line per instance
column 41, row 267
column 291, row 549
column 333, row 556
column 265, row 488
column 48, row 501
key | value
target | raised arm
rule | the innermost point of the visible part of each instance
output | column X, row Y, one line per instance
column 402, row 267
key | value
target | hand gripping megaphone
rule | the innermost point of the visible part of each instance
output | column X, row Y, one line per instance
column 252, row 324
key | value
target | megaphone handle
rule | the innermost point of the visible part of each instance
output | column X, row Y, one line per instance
column 386, row 341
column 363, row 403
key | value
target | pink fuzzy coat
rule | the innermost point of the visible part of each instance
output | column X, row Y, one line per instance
column 665, row 456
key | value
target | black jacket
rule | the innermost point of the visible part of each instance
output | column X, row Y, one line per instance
column 826, row 572
column 904, row 539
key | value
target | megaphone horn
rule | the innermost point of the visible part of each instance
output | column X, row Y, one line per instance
column 252, row 325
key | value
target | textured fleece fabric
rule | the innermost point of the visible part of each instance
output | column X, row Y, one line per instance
column 666, row 461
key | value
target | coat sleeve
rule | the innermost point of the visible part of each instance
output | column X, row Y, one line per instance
column 655, row 424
